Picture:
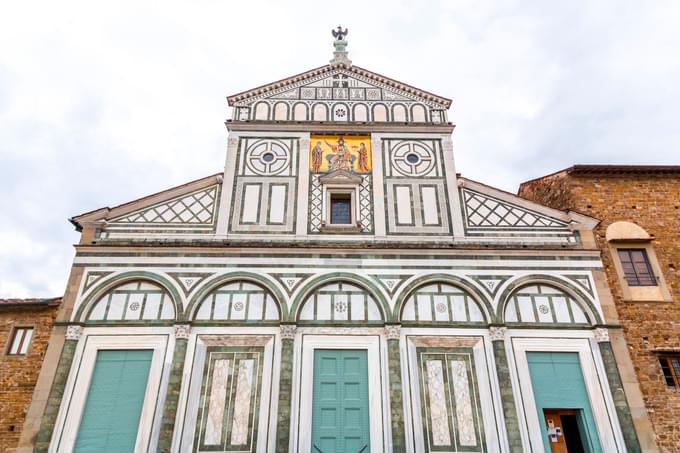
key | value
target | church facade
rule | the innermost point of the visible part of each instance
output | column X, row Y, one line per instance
column 338, row 288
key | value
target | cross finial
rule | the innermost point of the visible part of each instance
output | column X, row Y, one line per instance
column 340, row 54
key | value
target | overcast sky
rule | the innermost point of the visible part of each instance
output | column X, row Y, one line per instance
column 105, row 102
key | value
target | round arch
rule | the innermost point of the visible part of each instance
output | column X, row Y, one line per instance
column 257, row 279
column 475, row 293
column 322, row 280
column 120, row 279
column 583, row 300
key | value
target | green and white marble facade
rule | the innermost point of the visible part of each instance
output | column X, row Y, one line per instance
column 444, row 277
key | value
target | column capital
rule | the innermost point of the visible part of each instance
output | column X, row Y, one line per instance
column 393, row 331
column 288, row 331
column 601, row 334
column 74, row 332
column 182, row 331
column 498, row 333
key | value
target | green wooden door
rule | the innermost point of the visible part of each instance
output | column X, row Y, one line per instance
column 110, row 420
column 340, row 402
column 558, row 383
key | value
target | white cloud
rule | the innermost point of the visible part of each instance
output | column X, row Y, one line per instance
column 101, row 102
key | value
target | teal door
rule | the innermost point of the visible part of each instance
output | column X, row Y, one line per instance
column 340, row 402
column 558, row 383
column 114, row 402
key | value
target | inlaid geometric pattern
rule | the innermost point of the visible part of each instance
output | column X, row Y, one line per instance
column 340, row 302
column 315, row 204
column 485, row 211
column 268, row 157
column 441, row 302
column 238, row 301
column 366, row 204
column 452, row 418
column 411, row 158
column 543, row 304
column 229, row 402
column 133, row 301
column 194, row 208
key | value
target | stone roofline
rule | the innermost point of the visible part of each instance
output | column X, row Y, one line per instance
column 32, row 301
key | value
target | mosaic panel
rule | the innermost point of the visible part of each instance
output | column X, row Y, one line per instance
column 483, row 211
column 543, row 304
column 135, row 301
column 452, row 416
column 340, row 302
column 238, row 301
column 441, row 302
column 229, row 401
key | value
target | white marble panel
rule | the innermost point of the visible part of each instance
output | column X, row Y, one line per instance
column 424, row 307
column 543, row 309
column 277, row 203
column 579, row 316
column 204, row 309
column 251, row 203
column 358, row 304
column 403, row 194
column 561, row 309
column 134, row 307
column 116, row 306
column 458, row 306
column 439, row 415
column 238, row 306
column 373, row 310
column 167, row 309
column 151, row 309
column 271, row 312
column 221, row 306
column 409, row 313
column 323, row 306
column 99, row 309
column 216, row 406
column 256, row 306
column 475, row 312
column 242, row 409
column 430, row 212
column 441, row 308
column 464, row 416
column 526, row 309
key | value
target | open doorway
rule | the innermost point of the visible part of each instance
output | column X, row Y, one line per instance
column 565, row 431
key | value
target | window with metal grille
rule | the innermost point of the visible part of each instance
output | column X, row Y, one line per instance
column 670, row 364
column 21, row 338
column 636, row 268
column 341, row 209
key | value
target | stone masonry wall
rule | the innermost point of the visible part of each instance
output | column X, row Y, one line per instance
column 18, row 374
column 652, row 201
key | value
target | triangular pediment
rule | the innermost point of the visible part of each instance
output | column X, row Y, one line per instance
column 341, row 177
column 339, row 93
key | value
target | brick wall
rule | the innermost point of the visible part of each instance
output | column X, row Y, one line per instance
column 652, row 201
column 18, row 374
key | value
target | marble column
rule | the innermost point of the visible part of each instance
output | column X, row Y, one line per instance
column 393, row 333
column 285, row 388
column 618, row 394
column 497, row 335
column 49, row 417
column 182, row 332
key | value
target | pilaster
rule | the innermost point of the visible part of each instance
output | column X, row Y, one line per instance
column 287, row 336
column 182, row 332
column 49, row 417
column 498, row 338
column 393, row 334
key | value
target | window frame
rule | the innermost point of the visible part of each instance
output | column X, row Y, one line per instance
column 673, row 371
column 651, row 293
column 23, row 344
column 637, row 279
column 336, row 196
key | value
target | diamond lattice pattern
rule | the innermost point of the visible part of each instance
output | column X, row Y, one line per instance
column 483, row 211
column 195, row 208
